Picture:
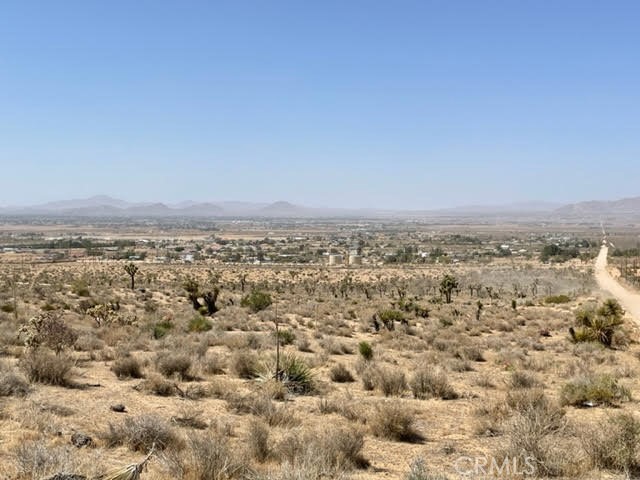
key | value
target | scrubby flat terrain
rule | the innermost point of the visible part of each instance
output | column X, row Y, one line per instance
column 380, row 375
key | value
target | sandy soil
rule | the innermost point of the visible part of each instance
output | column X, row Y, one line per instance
column 629, row 300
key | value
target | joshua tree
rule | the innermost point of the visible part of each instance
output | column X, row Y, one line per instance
column 210, row 298
column 448, row 284
column 131, row 270
column 243, row 281
column 193, row 292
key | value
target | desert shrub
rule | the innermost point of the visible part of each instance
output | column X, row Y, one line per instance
column 368, row 377
column 532, row 434
column 162, row 328
column 394, row 421
column 389, row 317
column 323, row 452
column 591, row 390
column 211, row 457
column 391, row 382
column 7, row 308
column 258, row 441
column 189, row 417
column 256, row 301
column 127, row 367
column 614, row 443
column 520, row 379
column 35, row 459
column 170, row 364
column 473, row 354
column 88, row 343
column 214, row 364
column 262, row 406
column 49, row 330
column 200, row 324
column 429, row 383
column 80, row 288
column 11, row 383
column 157, row 385
column 43, row 367
column 140, row 433
column 418, row 471
column 303, row 344
column 245, row 364
column 366, row 350
column 286, row 337
column 340, row 374
column 557, row 299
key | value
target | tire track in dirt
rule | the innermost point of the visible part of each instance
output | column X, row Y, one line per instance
column 629, row 300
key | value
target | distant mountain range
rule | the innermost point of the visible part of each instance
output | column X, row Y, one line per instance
column 105, row 206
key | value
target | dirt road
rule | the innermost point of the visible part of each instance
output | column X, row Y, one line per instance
column 629, row 300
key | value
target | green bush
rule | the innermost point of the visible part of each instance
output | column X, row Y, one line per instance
column 556, row 299
column 286, row 337
column 200, row 324
column 256, row 301
column 161, row 329
column 366, row 350
column 389, row 317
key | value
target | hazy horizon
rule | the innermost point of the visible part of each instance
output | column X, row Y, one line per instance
column 403, row 105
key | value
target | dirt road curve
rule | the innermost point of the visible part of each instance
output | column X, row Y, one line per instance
column 629, row 300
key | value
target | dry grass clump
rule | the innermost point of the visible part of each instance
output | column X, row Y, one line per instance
column 520, row 379
column 34, row 459
column 592, row 390
column 245, row 364
column 614, row 444
column 257, row 440
column 394, row 421
column 490, row 418
column 157, row 385
column 47, row 368
column 190, row 417
column 323, row 452
column 210, row 456
column 340, row 374
column 418, row 470
column 174, row 364
column 12, row 384
column 214, row 364
column 430, row 383
column 262, row 406
column 390, row 381
column 533, row 434
column 141, row 432
column 127, row 367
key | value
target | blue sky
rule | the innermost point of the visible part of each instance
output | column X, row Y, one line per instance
column 398, row 104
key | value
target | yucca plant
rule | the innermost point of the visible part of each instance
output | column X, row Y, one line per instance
column 293, row 372
column 600, row 325
column 130, row 472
